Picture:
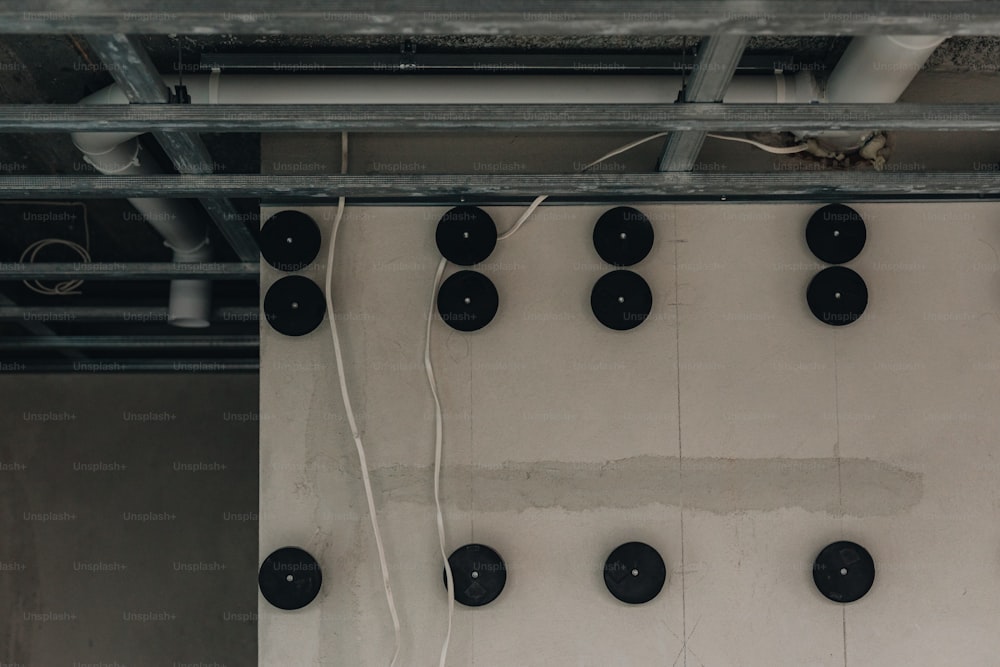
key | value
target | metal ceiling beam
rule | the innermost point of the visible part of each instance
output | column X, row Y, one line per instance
column 493, row 118
column 37, row 326
column 713, row 186
column 8, row 343
column 130, row 366
column 127, row 270
column 714, row 67
column 483, row 63
column 589, row 17
column 133, row 71
column 111, row 314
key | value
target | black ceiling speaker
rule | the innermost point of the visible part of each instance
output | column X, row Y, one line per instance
column 290, row 578
column 621, row 300
column 837, row 296
column 294, row 306
column 623, row 236
column 466, row 235
column 836, row 234
column 289, row 240
column 844, row 571
column 479, row 574
column 635, row 573
column 468, row 301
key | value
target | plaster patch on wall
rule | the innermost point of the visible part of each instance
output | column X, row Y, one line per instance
column 719, row 486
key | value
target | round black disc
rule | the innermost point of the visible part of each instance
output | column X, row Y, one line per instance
column 623, row 236
column 836, row 233
column 289, row 578
column 466, row 235
column 635, row 573
column 844, row 571
column 289, row 240
column 837, row 296
column 621, row 300
column 294, row 305
column 468, row 301
column 479, row 574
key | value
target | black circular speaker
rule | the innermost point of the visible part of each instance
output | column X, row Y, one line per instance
column 621, row 300
column 635, row 573
column 289, row 240
column 468, row 301
column 294, row 306
column 479, row 574
column 466, row 235
column 844, row 571
column 289, row 578
column 836, row 234
column 623, row 236
column 837, row 296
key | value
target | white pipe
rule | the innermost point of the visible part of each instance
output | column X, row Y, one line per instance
column 174, row 219
column 446, row 89
column 191, row 300
column 874, row 69
column 462, row 89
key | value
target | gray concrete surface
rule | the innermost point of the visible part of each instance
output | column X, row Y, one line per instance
column 128, row 520
column 732, row 431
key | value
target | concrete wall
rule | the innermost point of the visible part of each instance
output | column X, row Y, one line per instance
column 128, row 519
column 732, row 431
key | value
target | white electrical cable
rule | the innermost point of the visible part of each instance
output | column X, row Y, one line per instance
column 66, row 287
column 778, row 150
column 524, row 216
column 538, row 200
column 350, row 411
column 622, row 149
column 438, row 438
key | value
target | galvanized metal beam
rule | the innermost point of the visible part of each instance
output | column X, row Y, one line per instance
column 112, row 314
column 588, row 17
column 128, row 270
column 241, row 365
column 37, row 327
column 482, row 63
column 691, row 186
column 497, row 118
column 127, row 342
column 134, row 72
column 714, row 67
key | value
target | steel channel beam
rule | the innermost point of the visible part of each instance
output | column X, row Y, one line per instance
column 9, row 343
column 128, row 271
column 497, row 118
column 712, row 186
column 521, row 17
column 482, row 63
column 37, row 327
column 133, row 71
column 110, row 314
column 714, row 67
column 240, row 365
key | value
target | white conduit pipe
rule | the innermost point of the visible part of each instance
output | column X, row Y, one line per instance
column 451, row 89
column 873, row 70
column 175, row 220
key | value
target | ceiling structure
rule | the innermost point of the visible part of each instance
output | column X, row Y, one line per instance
column 58, row 53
